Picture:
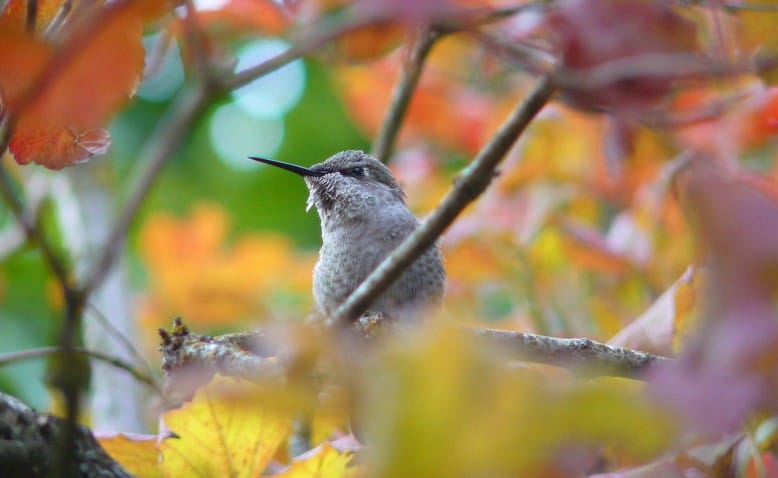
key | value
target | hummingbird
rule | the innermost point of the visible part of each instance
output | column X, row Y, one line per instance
column 363, row 219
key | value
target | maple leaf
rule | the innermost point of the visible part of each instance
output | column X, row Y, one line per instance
column 138, row 454
column 223, row 431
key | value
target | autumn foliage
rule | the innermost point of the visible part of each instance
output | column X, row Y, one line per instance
column 638, row 208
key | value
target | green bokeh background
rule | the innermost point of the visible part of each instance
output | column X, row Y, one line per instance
column 262, row 199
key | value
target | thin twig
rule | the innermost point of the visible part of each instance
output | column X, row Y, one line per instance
column 190, row 103
column 59, row 19
column 118, row 335
column 529, row 57
column 403, row 91
column 12, row 357
column 473, row 181
column 31, row 15
column 330, row 31
column 412, row 68
column 195, row 40
column 732, row 6
column 34, row 235
column 654, row 65
column 156, row 153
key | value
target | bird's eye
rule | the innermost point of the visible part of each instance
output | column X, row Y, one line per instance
column 356, row 172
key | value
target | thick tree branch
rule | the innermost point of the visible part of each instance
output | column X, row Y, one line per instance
column 30, row 442
column 472, row 182
column 157, row 151
column 190, row 360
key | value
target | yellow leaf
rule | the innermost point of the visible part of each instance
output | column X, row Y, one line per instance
column 137, row 454
column 327, row 463
column 224, row 431
column 438, row 405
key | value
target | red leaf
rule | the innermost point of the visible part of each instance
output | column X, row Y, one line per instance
column 594, row 35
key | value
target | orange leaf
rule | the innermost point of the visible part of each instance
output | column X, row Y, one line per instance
column 22, row 58
column 371, row 41
column 138, row 454
column 80, row 88
column 762, row 124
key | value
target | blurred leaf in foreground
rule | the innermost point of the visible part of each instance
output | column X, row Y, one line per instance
column 437, row 405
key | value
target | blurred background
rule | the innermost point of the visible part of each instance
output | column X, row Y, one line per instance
column 579, row 234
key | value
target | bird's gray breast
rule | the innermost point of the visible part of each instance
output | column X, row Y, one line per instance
column 355, row 245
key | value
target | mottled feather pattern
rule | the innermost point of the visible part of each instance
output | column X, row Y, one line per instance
column 364, row 218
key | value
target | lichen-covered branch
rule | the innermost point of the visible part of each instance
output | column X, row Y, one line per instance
column 579, row 354
column 190, row 360
column 250, row 356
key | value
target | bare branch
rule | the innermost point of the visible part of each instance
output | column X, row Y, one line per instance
column 117, row 334
column 238, row 355
column 59, row 19
column 31, row 230
column 195, row 40
column 472, row 182
column 732, row 6
column 159, row 148
column 654, row 65
column 11, row 357
column 31, row 15
column 579, row 354
column 403, row 91
column 467, row 19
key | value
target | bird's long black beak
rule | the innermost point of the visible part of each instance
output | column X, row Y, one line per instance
column 302, row 171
